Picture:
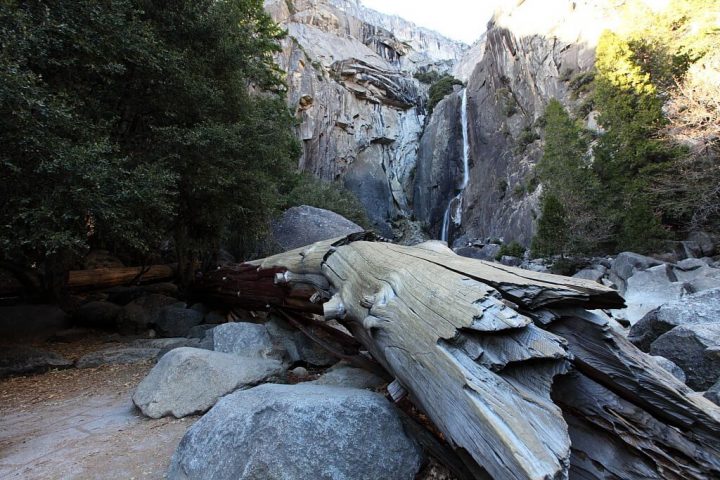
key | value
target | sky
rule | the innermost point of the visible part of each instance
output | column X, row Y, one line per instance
column 462, row 20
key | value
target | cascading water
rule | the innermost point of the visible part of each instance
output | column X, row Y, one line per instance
column 457, row 199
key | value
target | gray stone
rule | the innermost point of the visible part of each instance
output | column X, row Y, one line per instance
column 713, row 393
column 165, row 344
column 343, row 375
column 243, row 339
column 300, row 372
column 510, row 261
column 138, row 315
column 295, row 346
column 199, row 331
column 298, row 432
column 690, row 264
column 187, row 381
column 671, row 367
column 300, row 226
column 175, row 321
column 594, row 273
column 626, row 265
column 696, row 349
column 704, row 242
column 701, row 307
column 97, row 314
column 117, row 356
column 22, row 360
column 648, row 289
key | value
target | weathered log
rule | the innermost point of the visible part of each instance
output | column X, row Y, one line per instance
column 477, row 346
column 112, row 277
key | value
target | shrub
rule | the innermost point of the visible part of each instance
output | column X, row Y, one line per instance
column 512, row 249
column 440, row 89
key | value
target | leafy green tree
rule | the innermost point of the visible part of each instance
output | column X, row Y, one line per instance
column 128, row 120
column 569, row 182
column 441, row 88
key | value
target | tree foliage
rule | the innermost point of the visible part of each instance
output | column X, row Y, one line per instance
column 127, row 121
column 644, row 178
column 441, row 88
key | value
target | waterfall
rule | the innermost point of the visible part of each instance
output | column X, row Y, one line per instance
column 457, row 199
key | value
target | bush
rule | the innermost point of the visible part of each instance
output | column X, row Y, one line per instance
column 308, row 190
column 512, row 249
column 428, row 78
column 441, row 89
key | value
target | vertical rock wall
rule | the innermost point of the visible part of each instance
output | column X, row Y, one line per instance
column 351, row 86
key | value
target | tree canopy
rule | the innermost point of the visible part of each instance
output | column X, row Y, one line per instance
column 125, row 122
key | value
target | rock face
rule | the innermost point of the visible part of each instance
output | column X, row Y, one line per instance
column 524, row 59
column 303, row 225
column 696, row 349
column 297, row 432
column 189, row 380
column 351, row 87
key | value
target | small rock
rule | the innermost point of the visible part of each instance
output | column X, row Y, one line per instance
column 295, row 346
column 486, row 252
column 140, row 314
column 97, row 314
column 297, row 432
column 117, row 356
column 187, row 381
column 175, row 321
column 671, row 367
column 300, row 372
column 243, row 339
column 21, row 360
column 696, row 349
column 343, row 375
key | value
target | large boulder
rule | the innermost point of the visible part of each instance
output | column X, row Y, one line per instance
column 190, row 380
column 300, row 226
column 243, row 339
column 138, row 315
column 176, row 321
column 704, row 242
column 21, row 360
column 676, row 371
column 648, row 289
column 97, row 314
column 296, row 432
column 696, row 349
column 626, row 264
column 701, row 307
column 117, row 356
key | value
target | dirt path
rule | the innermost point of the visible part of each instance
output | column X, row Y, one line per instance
column 81, row 424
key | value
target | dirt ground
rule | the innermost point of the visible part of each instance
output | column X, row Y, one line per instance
column 81, row 424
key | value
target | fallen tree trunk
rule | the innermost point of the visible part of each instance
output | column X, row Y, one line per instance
column 477, row 347
column 113, row 277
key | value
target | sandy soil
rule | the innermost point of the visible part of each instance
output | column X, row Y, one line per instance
column 81, row 424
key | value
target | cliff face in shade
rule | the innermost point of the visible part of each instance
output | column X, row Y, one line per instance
column 525, row 59
column 351, row 86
